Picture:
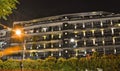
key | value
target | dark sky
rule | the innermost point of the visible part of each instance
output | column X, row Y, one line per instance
column 31, row 9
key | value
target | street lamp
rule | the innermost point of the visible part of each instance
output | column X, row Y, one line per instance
column 19, row 33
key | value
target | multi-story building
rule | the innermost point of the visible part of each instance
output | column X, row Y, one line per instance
column 71, row 35
column 4, row 39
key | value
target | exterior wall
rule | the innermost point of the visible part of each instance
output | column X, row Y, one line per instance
column 72, row 35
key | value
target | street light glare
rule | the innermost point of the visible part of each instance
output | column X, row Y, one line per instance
column 18, row 32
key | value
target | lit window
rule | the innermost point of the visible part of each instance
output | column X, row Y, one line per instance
column 84, row 33
column 31, row 31
column 59, row 35
column 65, row 33
column 76, row 53
column 75, row 27
column 51, row 54
column 83, row 25
column 76, row 36
column 52, row 36
column 75, row 32
column 36, row 54
column 103, row 42
column 59, row 53
column 59, row 28
column 44, row 29
column 31, row 47
column 59, row 45
column 31, row 54
column 44, row 45
column 44, row 37
column 102, row 32
column 37, row 31
column 51, row 45
column 65, row 25
column 119, row 25
column 38, row 46
column 66, row 42
column 66, row 51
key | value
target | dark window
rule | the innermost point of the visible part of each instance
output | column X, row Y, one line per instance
column 96, row 24
column 107, row 32
column 108, row 41
column 116, row 32
column 79, row 26
column 88, row 34
column 106, row 23
column 99, row 42
column 97, row 33
column 117, row 41
column 89, row 43
column 88, row 25
column 80, row 43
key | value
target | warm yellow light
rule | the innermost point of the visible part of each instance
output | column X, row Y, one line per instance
column 18, row 32
column 118, row 24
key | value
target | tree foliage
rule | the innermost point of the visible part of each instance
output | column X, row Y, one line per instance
column 6, row 7
column 106, row 63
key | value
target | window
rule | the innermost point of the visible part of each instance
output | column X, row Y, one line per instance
column 106, row 23
column 107, row 32
column 88, row 25
column 88, row 34
column 96, row 24
column 79, row 26
column 44, row 29
column 97, row 33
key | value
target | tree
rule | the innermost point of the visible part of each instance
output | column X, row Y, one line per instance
column 6, row 7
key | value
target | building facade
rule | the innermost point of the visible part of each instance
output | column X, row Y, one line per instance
column 71, row 35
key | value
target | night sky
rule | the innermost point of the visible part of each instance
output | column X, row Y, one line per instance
column 31, row 9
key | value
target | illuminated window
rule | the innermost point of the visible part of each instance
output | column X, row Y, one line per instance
column 103, row 42
column 119, row 25
column 66, row 42
column 66, row 25
column 59, row 28
column 51, row 45
column 83, row 25
column 44, row 37
column 102, row 31
column 65, row 33
column 59, row 53
column 76, row 35
column 75, row 26
column 84, row 33
column 66, row 51
column 75, row 32
column 59, row 35
column 44, row 45
column 51, row 54
column 52, row 36
column 31, row 47
column 76, row 53
column 59, row 45
column 44, row 29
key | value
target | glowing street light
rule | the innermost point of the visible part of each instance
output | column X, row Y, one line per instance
column 18, row 32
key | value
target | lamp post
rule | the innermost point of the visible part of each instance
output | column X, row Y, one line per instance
column 19, row 33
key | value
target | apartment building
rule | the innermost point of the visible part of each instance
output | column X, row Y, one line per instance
column 71, row 35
